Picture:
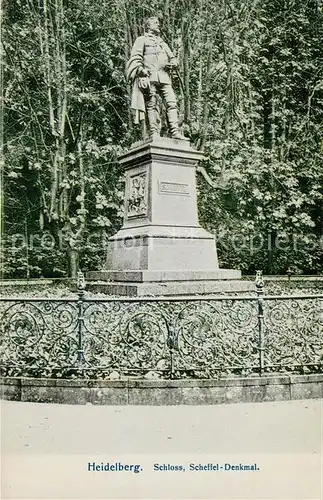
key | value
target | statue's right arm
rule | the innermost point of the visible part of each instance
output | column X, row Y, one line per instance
column 138, row 47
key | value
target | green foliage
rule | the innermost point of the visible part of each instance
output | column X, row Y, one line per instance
column 64, row 125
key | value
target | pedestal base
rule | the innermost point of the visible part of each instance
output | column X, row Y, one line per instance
column 164, row 276
column 168, row 283
column 156, row 248
column 161, row 248
column 172, row 288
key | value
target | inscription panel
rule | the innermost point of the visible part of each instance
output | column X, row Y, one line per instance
column 174, row 188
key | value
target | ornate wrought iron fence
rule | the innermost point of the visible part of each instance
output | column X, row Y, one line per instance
column 169, row 337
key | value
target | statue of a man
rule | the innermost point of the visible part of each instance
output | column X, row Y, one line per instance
column 149, row 69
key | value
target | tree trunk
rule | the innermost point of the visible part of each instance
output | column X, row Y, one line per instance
column 186, row 70
column 73, row 257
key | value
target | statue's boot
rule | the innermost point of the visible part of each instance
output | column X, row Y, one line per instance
column 172, row 116
column 153, row 119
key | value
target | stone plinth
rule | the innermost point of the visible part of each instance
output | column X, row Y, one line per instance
column 165, row 276
column 171, row 288
column 161, row 229
column 161, row 245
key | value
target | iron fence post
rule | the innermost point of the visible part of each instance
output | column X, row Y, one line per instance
column 80, row 317
column 172, row 344
column 260, row 294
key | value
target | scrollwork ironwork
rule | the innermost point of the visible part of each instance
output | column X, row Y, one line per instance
column 294, row 333
column 217, row 335
column 181, row 337
column 38, row 335
column 131, row 336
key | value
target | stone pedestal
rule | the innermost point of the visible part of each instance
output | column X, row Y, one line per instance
column 161, row 248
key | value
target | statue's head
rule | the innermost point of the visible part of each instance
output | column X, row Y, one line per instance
column 152, row 24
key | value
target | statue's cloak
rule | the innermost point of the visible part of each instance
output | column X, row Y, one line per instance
column 133, row 68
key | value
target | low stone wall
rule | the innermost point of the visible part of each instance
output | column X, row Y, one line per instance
column 163, row 392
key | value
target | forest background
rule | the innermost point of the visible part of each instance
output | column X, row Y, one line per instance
column 250, row 91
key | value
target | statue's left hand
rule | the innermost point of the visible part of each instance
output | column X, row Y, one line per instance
column 144, row 72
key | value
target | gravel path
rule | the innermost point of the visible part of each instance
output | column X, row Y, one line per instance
column 46, row 449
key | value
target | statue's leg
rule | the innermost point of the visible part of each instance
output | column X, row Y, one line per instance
column 152, row 110
column 172, row 112
column 158, row 117
column 143, row 129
